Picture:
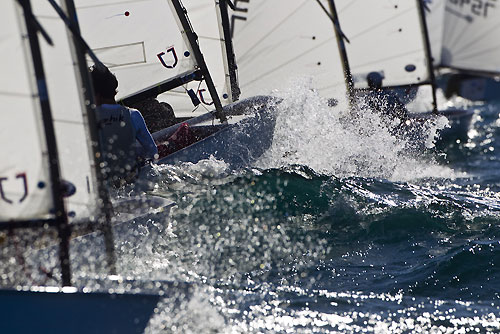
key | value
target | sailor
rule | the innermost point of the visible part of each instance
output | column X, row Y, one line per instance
column 126, row 142
column 157, row 115
column 385, row 102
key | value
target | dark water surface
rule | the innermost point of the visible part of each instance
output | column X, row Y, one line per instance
column 390, row 243
column 339, row 228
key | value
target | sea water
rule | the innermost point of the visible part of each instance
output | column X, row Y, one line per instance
column 340, row 227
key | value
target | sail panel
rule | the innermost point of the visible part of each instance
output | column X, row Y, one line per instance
column 68, row 113
column 141, row 39
column 204, row 20
column 434, row 15
column 385, row 36
column 25, row 191
column 281, row 40
column 470, row 36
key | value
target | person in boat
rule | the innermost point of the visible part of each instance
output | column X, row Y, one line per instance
column 157, row 115
column 126, row 142
column 383, row 101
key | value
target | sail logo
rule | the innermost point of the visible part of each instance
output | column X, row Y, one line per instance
column 475, row 7
column 202, row 97
column 168, row 63
column 23, row 186
column 240, row 17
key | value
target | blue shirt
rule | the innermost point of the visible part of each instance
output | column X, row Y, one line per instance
column 141, row 132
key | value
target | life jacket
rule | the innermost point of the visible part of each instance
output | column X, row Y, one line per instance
column 117, row 138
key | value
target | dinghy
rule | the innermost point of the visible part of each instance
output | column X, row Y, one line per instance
column 168, row 62
column 51, row 187
column 272, row 42
column 467, row 52
column 391, row 39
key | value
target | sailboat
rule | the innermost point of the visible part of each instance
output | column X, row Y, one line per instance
column 393, row 41
column 47, row 189
column 272, row 42
column 466, row 47
column 49, row 193
column 153, row 50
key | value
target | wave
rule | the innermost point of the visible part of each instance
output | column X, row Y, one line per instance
column 340, row 142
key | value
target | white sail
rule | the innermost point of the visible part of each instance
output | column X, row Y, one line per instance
column 68, row 113
column 434, row 15
column 139, row 41
column 24, row 181
column 278, row 40
column 471, row 36
column 386, row 37
column 203, row 15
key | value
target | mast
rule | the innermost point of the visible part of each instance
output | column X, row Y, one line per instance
column 79, row 50
column 343, row 53
column 230, row 56
column 193, row 41
column 427, row 46
column 61, row 218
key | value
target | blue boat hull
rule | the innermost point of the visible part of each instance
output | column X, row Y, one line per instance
column 75, row 312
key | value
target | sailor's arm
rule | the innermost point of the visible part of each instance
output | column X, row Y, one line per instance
column 143, row 135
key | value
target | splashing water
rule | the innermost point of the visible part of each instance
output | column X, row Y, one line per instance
column 335, row 141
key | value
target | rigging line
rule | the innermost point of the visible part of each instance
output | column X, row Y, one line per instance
column 20, row 95
column 489, row 30
column 269, row 32
column 36, row 23
column 378, row 24
column 336, row 26
column 350, row 3
column 289, row 61
column 69, row 24
column 256, row 9
column 209, row 38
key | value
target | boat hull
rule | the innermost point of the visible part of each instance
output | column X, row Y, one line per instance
column 239, row 143
column 74, row 312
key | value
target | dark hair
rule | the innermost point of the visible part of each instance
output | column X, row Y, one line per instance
column 104, row 82
column 374, row 80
